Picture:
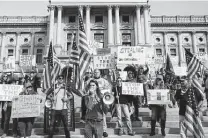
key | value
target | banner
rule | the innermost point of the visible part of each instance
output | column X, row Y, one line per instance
column 9, row 64
column 131, row 88
column 27, row 61
column 103, row 51
column 158, row 96
column 27, row 106
column 104, row 62
column 131, row 55
column 180, row 71
column 8, row 91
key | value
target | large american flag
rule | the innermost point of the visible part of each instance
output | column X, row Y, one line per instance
column 52, row 68
column 192, row 120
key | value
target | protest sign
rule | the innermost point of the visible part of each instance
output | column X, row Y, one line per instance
column 27, row 106
column 131, row 55
column 104, row 62
column 131, row 88
column 103, row 51
column 202, row 56
column 93, row 45
column 174, row 60
column 123, row 75
column 158, row 59
column 180, row 71
column 27, row 61
column 158, row 96
column 9, row 64
column 8, row 91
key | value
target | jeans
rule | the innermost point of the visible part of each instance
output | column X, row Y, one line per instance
column 104, row 123
column 93, row 128
column 6, row 118
column 125, row 109
column 158, row 112
column 25, row 126
column 63, row 114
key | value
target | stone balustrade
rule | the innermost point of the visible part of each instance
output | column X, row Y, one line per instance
column 23, row 19
column 179, row 19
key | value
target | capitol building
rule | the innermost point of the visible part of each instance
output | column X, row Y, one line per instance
column 109, row 23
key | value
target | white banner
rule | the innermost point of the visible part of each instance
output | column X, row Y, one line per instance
column 131, row 55
column 9, row 64
column 104, row 62
column 130, row 88
column 158, row 96
column 180, row 71
column 27, row 106
column 8, row 91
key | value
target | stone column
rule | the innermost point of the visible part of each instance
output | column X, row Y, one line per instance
column 51, row 8
column 81, row 10
column 32, row 42
column 180, row 50
column 59, row 25
column 166, row 51
column 194, row 43
column 88, row 23
column 3, row 46
column 135, row 31
column 206, row 37
column 146, row 24
column 18, row 49
column 118, row 41
column 110, row 26
column 139, row 32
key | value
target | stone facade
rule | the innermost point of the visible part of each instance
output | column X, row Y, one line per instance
column 107, row 23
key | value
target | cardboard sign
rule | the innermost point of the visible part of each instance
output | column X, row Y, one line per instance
column 9, row 64
column 27, row 61
column 104, row 62
column 93, row 45
column 8, row 91
column 131, row 55
column 158, row 96
column 202, row 56
column 130, row 88
column 180, row 71
column 158, row 59
column 103, row 51
column 27, row 106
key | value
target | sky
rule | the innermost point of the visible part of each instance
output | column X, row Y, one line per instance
column 165, row 7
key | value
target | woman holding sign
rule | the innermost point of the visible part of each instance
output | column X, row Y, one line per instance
column 158, row 110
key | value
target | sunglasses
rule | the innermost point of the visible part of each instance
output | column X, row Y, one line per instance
column 61, row 78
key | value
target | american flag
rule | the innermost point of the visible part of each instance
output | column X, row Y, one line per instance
column 192, row 120
column 52, row 68
column 84, row 55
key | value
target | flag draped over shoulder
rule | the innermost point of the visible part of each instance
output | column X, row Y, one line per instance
column 80, row 56
column 169, row 76
column 52, row 68
column 192, row 120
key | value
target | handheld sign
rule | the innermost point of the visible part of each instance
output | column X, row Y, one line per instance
column 9, row 64
column 104, row 62
column 27, row 106
column 130, row 88
column 131, row 55
column 158, row 96
column 8, row 91
column 27, row 61
column 180, row 71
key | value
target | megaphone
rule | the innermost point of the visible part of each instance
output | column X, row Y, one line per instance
column 108, row 98
column 48, row 103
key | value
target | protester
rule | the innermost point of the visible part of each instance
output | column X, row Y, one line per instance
column 25, row 125
column 61, row 100
column 158, row 111
column 182, row 97
column 103, row 85
column 122, row 104
column 205, row 85
column 95, row 111
column 7, row 108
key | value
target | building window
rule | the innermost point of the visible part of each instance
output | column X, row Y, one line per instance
column 11, row 40
column 99, row 19
column 25, row 52
column 10, row 52
column 26, row 40
column 173, row 52
column 125, row 19
column 99, row 38
column 69, row 37
column 68, row 46
column 172, row 39
column 40, row 40
column 72, row 19
column 186, row 39
column 39, row 56
column 201, row 50
column 126, row 43
column 200, row 39
column 159, row 52
column 157, row 39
